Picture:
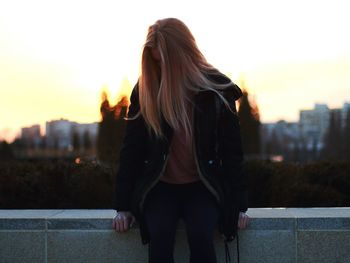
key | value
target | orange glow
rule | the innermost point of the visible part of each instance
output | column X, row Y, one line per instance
column 57, row 57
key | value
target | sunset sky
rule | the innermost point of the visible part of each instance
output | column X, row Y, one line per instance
column 57, row 56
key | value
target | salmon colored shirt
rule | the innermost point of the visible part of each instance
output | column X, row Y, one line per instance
column 180, row 167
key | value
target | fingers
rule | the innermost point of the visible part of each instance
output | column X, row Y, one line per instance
column 243, row 220
column 121, row 222
column 118, row 223
column 125, row 223
column 121, row 225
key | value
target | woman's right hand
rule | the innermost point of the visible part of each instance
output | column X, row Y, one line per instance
column 243, row 220
column 123, row 221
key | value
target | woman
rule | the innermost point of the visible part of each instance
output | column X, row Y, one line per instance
column 181, row 156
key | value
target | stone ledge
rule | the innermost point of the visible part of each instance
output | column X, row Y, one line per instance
column 261, row 219
column 86, row 235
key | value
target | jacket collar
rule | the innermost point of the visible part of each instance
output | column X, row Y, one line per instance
column 232, row 91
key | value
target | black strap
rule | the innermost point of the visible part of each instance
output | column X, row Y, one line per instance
column 237, row 249
column 227, row 250
column 227, row 253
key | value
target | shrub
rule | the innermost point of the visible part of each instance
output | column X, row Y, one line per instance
column 65, row 184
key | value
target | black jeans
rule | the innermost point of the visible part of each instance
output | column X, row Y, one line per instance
column 165, row 204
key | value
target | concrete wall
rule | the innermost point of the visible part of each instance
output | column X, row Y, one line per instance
column 274, row 235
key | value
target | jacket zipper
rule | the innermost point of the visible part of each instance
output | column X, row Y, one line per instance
column 206, row 183
column 165, row 157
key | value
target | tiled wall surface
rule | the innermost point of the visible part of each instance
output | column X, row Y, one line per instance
column 278, row 235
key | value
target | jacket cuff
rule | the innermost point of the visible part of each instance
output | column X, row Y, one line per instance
column 242, row 200
column 120, row 205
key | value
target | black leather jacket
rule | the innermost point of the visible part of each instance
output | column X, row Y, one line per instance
column 218, row 154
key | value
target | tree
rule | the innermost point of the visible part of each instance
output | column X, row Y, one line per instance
column 250, row 125
column 43, row 144
column 6, row 152
column 111, row 130
column 86, row 140
column 346, row 134
column 333, row 137
column 76, row 141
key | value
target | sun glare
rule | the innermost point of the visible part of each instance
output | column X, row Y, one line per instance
column 56, row 57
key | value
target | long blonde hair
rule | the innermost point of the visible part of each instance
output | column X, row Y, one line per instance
column 167, row 84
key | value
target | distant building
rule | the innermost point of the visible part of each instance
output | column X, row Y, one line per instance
column 59, row 133
column 31, row 136
column 90, row 129
column 279, row 138
column 314, row 126
column 344, row 112
column 266, row 133
column 304, row 139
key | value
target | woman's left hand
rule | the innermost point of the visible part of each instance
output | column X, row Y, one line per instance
column 243, row 220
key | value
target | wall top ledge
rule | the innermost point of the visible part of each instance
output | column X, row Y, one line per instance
column 280, row 218
column 261, row 212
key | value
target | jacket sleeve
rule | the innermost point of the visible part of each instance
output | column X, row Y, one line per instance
column 131, row 155
column 232, row 154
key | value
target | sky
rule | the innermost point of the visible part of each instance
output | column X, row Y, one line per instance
column 56, row 57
